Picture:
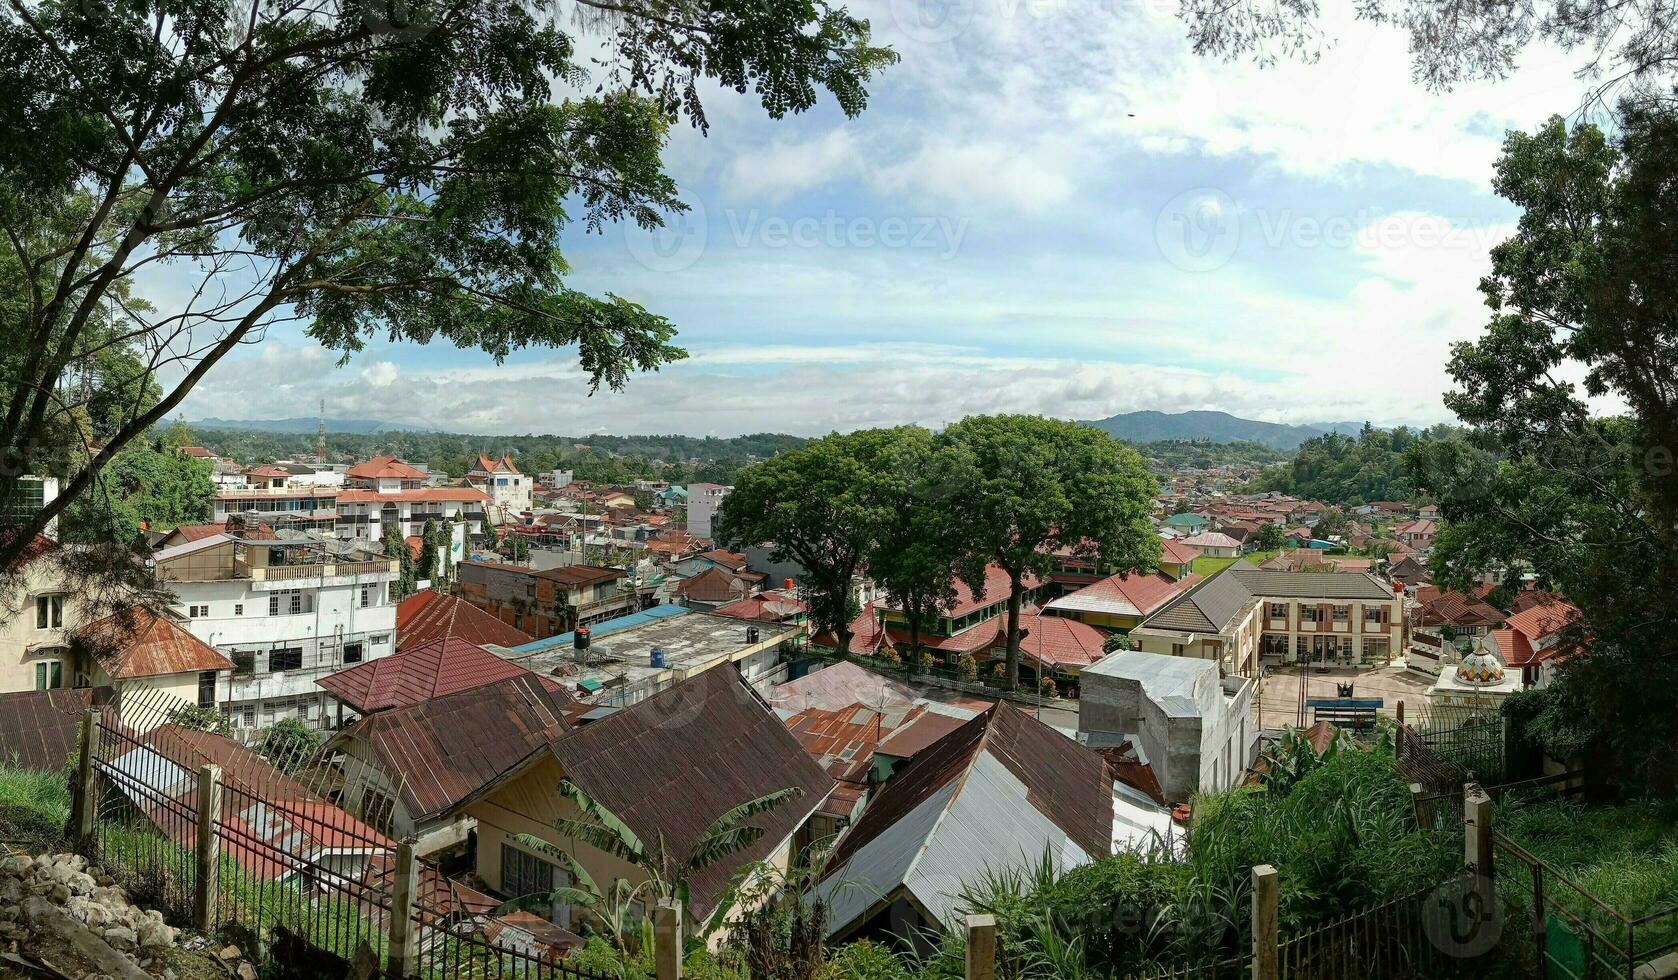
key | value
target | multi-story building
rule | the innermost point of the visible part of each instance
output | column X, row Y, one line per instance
column 704, row 500
column 295, row 507
column 508, row 490
column 547, row 602
column 385, row 491
column 1246, row 614
column 285, row 608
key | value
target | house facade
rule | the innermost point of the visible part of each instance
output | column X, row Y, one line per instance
column 704, row 500
column 285, row 610
column 548, row 602
column 385, row 492
column 508, row 490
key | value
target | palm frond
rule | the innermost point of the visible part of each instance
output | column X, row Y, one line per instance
column 752, row 808
column 628, row 844
column 715, row 847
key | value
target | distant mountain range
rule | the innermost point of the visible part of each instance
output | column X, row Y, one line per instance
column 354, row 426
column 1214, row 427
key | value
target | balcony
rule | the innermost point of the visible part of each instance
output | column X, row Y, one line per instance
column 298, row 573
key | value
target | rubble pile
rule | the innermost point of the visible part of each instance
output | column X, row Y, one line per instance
column 60, row 895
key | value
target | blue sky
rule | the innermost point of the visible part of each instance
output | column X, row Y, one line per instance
column 1049, row 206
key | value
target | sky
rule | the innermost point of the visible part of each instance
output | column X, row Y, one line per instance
column 1049, row 206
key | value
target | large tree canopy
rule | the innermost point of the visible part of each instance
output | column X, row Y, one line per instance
column 366, row 175
column 1456, row 41
column 1019, row 487
column 1588, row 285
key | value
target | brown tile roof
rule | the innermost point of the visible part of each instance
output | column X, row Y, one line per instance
column 1059, row 642
column 431, row 615
column 444, row 750
column 733, row 561
column 422, row 672
column 774, row 606
column 140, row 643
column 672, row 764
column 1457, row 609
column 1545, row 619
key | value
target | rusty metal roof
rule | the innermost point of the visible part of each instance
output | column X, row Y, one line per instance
column 445, row 749
column 137, row 642
column 39, row 730
column 421, row 673
column 430, row 615
column 672, row 764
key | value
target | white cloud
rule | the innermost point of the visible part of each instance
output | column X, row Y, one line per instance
column 380, row 374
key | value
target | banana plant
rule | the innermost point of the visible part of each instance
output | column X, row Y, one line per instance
column 666, row 874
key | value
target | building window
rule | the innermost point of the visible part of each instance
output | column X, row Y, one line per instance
column 288, row 603
column 377, row 809
column 379, row 639
column 523, row 873
column 1374, row 614
column 249, row 715
column 49, row 612
column 49, row 674
column 366, row 596
column 285, row 658
column 1342, row 613
column 1278, row 610
column 206, row 688
column 352, row 653
column 196, row 612
column 238, row 609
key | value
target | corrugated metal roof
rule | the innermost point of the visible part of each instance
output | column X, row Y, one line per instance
column 420, row 673
column 429, row 615
column 39, row 730
column 140, row 643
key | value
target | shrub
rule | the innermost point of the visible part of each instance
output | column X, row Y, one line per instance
column 967, row 667
column 1048, row 687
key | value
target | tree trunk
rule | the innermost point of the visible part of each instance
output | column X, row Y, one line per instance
column 914, row 639
column 1013, row 631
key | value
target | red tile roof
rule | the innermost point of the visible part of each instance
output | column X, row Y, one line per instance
column 384, row 468
column 422, row 672
column 269, row 470
column 502, row 465
column 195, row 532
column 1457, row 609
column 140, row 643
column 1145, row 593
column 1176, row 552
column 1059, row 642
column 198, row 452
column 431, row 615
column 1515, row 649
column 1545, row 619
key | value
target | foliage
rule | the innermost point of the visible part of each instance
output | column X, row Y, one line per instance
column 1294, row 757
column 396, row 545
column 404, row 181
column 426, row 568
column 914, row 553
column 1204, row 454
column 1116, row 642
column 518, row 547
column 824, row 506
column 146, row 485
column 1456, row 41
column 967, row 667
column 1342, row 469
column 197, row 717
column 34, row 806
column 1270, row 537
column 1047, row 686
column 1543, row 485
column 289, row 744
column 1017, row 487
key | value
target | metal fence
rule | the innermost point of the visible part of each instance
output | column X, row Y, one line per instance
column 1557, row 929
column 1395, row 940
column 251, row 846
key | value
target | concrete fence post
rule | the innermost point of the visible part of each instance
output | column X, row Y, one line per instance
column 86, row 796
column 667, row 940
column 206, row 882
column 402, row 936
column 1477, row 829
column 1266, row 948
column 981, row 947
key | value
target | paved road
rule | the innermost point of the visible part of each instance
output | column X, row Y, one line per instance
column 1279, row 694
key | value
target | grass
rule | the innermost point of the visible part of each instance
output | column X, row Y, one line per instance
column 34, row 807
column 1206, row 567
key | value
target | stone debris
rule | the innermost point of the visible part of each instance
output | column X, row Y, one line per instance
column 60, row 894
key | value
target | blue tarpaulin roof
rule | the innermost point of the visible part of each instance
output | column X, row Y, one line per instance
column 664, row 611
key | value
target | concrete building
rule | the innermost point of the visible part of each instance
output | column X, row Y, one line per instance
column 508, row 490
column 1195, row 728
column 633, row 657
column 301, row 507
column 1245, row 615
column 285, row 609
column 546, row 602
column 704, row 500
column 385, row 491
column 39, row 612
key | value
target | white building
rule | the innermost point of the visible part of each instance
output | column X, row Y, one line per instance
column 384, row 491
column 508, row 489
column 286, row 609
column 704, row 500
column 1192, row 726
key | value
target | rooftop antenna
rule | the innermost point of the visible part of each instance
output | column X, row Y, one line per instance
column 320, row 439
